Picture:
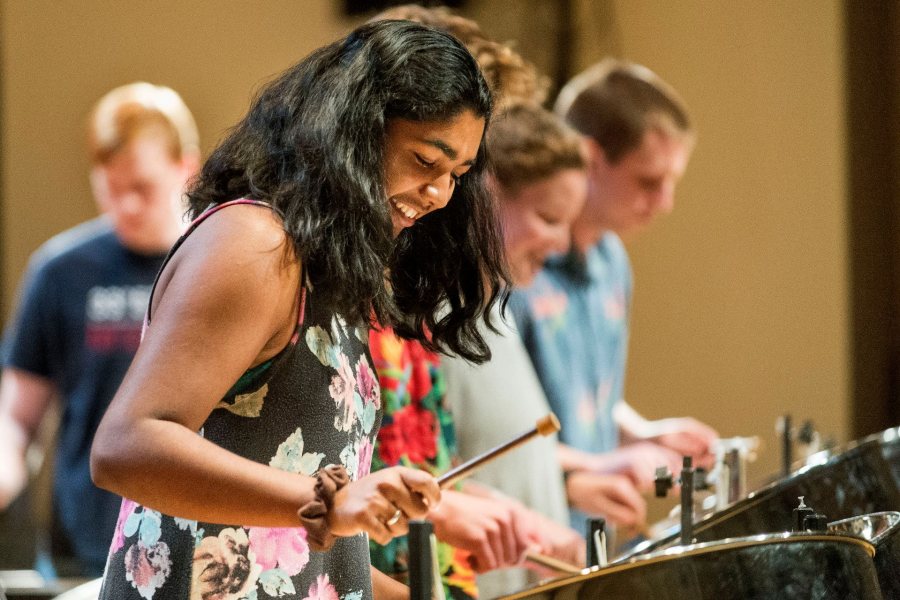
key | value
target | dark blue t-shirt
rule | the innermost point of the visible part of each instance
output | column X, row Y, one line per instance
column 79, row 324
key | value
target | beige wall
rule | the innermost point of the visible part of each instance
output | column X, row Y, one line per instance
column 740, row 310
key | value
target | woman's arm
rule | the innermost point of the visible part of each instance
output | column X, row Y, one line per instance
column 226, row 303
column 684, row 435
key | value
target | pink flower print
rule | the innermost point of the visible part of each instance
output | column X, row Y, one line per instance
column 342, row 388
column 365, row 458
column 225, row 567
column 614, row 306
column 368, row 383
column 586, row 410
column 285, row 547
column 322, row 589
column 604, row 393
column 125, row 510
column 549, row 306
column 147, row 568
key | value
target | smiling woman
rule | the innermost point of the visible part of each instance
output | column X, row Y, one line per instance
column 538, row 175
column 425, row 162
column 352, row 190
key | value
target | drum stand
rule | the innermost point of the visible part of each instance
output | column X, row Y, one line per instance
column 424, row 575
column 690, row 480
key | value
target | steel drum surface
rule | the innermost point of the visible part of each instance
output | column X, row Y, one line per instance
column 883, row 531
column 855, row 482
column 890, row 447
column 782, row 566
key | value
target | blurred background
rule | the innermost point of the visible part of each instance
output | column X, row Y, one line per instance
column 773, row 288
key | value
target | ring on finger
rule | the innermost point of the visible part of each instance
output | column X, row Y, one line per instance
column 395, row 518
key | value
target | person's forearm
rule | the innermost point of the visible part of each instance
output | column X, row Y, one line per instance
column 169, row 468
column 387, row 588
column 14, row 439
column 24, row 399
column 572, row 459
column 632, row 426
column 13, row 469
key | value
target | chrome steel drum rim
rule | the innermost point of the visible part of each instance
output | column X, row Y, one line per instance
column 678, row 552
column 882, row 524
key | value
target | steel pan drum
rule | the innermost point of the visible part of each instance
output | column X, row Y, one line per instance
column 855, row 482
column 802, row 566
column 883, row 531
column 889, row 439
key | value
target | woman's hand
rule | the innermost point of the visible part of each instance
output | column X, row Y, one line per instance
column 638, row 462
column 558, row 541
column 686, row 436
column 613, row 497
column 492, row 529
column 371, row 504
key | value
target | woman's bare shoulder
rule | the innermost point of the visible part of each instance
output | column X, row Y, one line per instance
column 239, row 260
column 244, row 228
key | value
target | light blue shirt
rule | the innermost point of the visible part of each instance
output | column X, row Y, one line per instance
column 573, row 320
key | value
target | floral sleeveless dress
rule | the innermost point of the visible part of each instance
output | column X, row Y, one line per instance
column 316, row 403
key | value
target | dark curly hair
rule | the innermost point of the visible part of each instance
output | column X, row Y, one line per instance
column 312, row 146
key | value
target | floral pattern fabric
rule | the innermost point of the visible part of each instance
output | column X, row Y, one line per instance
column 417, row 431
column 316, row 403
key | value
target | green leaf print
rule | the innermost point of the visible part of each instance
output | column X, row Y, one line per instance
column 132, row 524
column 275, row 582
column 185, row 524
column 366, row 413
column 247, row 405
column 189, row 525
column 350, row 460
column 151, row 527
column 148, row 523
column 290, row 456
column 320, row 343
